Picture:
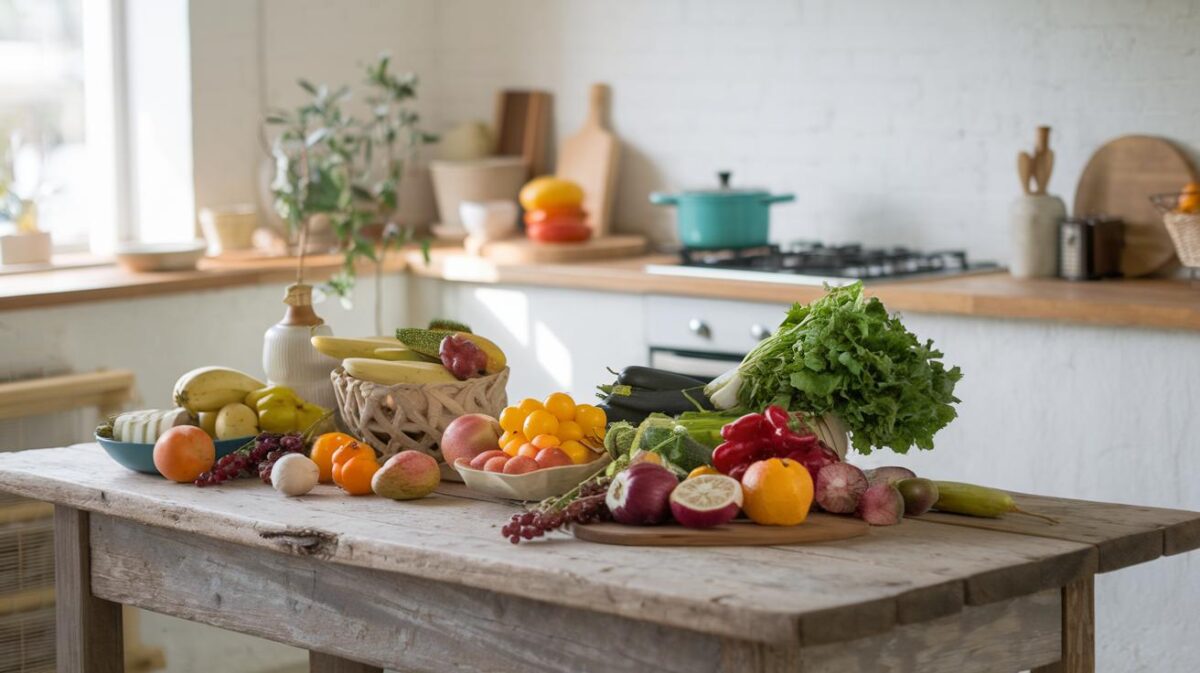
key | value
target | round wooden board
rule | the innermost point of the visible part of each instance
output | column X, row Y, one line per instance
column 818, row 528
column 1119, row 180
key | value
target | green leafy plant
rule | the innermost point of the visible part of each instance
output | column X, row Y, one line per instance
column 329, row 163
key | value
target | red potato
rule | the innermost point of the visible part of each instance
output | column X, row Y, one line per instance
column 552, row 457
column 520, row 465
column 479, row 461
column 495, row 464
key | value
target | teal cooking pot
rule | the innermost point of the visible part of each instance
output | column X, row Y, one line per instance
column 722, row 217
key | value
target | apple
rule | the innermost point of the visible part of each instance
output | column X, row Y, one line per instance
column 520, row 465
column 468, row 436
column 408, row 475
column 553, row 457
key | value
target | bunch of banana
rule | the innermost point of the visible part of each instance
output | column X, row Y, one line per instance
column 379, row 348
column 210, row 388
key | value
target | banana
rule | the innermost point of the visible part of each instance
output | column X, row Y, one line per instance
column 210, row 388
column 363, row 347
column 388, row 373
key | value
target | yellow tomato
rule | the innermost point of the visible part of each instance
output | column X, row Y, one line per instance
column 569, row 430
column 510, row 436
column 561, row 405
column 529, row 405
column 590, row 417
column 546, row 441
column 578, row 453
column 514, row 446
column 550, row 192
column 703, row 469
column 540, row 422
column 512, row 418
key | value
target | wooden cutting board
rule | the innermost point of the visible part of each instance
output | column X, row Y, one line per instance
column 524, row 251
column 818, row 528
column 1119, row 180
column 589, row 157
column 523, row 127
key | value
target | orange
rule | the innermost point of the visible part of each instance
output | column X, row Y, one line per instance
column 590, row 418
column 183, row 453
column 546, row 441
column 352, row 450
column 529, row 405
column 578, row 453
column 512, row 418
column 540, row 422
column 778, row 492
column 569, row 430
column 356, row 475
column 528, row 450
column 561, row 405
column 323, row 449
column 702, row 470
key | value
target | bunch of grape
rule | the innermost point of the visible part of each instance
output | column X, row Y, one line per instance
column 584, row 507
column 266, row 449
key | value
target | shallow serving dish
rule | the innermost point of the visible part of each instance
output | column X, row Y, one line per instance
column 537, row 485
column 139, row 457
column 160, row 256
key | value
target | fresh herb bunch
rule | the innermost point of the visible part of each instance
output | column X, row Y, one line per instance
column 843, row 354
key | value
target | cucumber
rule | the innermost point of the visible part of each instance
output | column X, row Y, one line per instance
column 981, row 501
column 655, row 379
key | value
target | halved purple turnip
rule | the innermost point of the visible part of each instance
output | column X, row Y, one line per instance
column 640, row 494
column 839, row 487
column 881, row 505
column 919, row 495
column 706, row 501
column 889, row 475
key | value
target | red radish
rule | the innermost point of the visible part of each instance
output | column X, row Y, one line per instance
column 889, row 475
column 881, row 505
column 919, row 495
column 520, row 465
column 839, row 487
column 479, row 461
column 640, row 494
column 552, row 457
column 706, row 501
column 495, row 464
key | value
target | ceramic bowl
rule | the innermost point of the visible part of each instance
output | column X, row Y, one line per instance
column 488, row 220
column 139, row 457
column 160, row 256
column 531, row 486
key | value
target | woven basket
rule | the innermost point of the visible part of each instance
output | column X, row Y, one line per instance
column 1184, row 229
column 407, row 416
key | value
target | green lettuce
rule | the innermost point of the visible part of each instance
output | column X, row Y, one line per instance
column 844, row 354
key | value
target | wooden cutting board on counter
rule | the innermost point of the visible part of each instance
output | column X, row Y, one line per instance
column 524, row 251
column 1119, row 180
column 589, row 157
column 817, row 528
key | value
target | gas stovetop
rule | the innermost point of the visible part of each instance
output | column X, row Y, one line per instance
column 806, row 263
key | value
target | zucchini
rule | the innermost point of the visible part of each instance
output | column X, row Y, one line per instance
column 972, row 500
column 655, row 379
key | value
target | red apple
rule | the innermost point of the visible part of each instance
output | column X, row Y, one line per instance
column 553, row 457
column 468, row 436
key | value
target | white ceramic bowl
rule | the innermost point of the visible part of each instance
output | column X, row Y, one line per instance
column 488, row 220
column 488, row 179
column 160, row 256
column 531, row 486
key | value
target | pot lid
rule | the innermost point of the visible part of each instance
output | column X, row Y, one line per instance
column 723, row 189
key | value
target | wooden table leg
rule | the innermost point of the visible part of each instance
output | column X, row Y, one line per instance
column 1078, row 629
column 88, row 634
column 327, row 663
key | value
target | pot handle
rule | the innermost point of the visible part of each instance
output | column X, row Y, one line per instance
column 778, row 198
column 661, row 199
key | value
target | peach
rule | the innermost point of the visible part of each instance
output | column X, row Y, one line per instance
column 553, row 457
column 408, row 475
column 468, row 436
column 520, row 465
column 479, row 461
column 495, row 464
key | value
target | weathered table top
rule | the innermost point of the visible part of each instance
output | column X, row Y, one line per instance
column 919, row 570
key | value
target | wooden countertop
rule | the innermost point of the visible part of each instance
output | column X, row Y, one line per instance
column 1150, row 303
column 1154, row 303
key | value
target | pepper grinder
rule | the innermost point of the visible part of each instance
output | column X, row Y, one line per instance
column 1035, row 215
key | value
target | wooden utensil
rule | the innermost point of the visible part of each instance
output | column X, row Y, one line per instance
column 1024, row 170
column 1037, row 166
column 1118, row 181
column 589, row 157
column 818, row 528
column 523, row 127
column 525, row 251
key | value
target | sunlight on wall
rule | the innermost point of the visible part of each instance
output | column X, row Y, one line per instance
column 553, row 355
column 510, row 309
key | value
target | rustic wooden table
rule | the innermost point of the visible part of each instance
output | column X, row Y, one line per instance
column 364, row 583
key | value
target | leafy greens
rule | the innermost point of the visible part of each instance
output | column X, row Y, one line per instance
column 844, row 354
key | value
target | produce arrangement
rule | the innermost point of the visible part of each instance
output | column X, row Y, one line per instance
column 765, row 444
column 554, row 211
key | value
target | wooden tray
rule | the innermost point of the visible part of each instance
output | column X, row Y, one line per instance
column 524, row 251
column 818, row 528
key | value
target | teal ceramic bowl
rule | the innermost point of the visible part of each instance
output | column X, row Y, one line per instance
column 140, row 457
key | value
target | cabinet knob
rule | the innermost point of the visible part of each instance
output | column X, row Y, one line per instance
column 699, row 328
column 759, row 332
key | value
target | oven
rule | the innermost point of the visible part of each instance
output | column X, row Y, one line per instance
column 705, row 338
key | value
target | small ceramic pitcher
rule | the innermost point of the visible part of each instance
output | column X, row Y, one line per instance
column 289, row 358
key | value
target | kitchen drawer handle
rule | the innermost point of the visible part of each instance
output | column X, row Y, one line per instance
column 699, row 328
column 759, row 332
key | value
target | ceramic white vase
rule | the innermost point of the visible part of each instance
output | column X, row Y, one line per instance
column 289, row 358
column 1034, row 223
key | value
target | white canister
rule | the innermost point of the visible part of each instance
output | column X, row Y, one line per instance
column 289, row 358
column 1034, row 223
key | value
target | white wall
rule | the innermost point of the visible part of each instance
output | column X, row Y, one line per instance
column 891, row 121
